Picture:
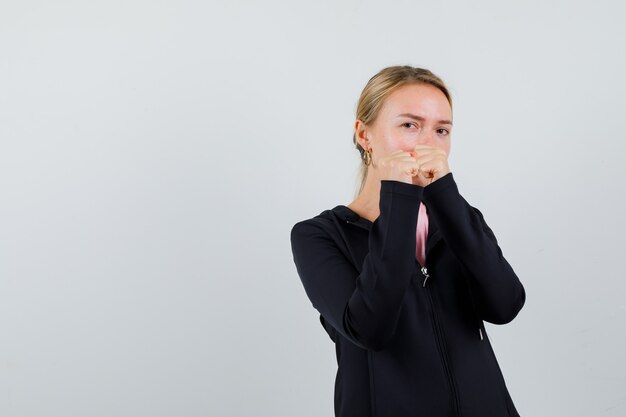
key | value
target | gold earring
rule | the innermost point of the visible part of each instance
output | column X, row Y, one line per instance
column 368, row 156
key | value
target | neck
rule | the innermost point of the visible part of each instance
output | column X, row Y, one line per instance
column 366, row 204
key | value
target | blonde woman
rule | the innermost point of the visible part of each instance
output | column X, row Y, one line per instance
column 406, row 274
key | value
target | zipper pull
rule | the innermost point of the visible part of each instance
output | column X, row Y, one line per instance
column 480, row 332
column 426, row 276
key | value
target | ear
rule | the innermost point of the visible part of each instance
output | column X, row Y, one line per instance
column 360, row 131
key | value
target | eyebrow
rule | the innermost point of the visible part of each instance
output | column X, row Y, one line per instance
column 421, row 119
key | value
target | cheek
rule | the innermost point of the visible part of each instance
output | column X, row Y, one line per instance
column 394, row 140
column 389, row 143
column 446, row 148
column 405, row 142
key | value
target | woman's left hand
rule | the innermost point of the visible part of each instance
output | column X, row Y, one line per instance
column 433, row 164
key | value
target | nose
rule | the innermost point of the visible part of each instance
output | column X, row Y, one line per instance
column 426, row 138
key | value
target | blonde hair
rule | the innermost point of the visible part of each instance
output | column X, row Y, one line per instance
column 376, row 91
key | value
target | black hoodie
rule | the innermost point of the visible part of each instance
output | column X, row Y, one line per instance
column 410, row 338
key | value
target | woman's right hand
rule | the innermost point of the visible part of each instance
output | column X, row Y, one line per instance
column 397, row 166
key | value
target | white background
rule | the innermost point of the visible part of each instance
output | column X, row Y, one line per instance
column 154, row 156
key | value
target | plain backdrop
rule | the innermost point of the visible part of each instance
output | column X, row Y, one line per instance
column 154, row 156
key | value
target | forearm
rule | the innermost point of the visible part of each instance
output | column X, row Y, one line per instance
column 498, row 292
column 374, row 307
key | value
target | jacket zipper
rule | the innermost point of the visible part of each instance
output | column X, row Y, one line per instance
column 441, row 345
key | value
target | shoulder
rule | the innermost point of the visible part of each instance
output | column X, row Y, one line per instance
column 313, row 226
column 329, row 223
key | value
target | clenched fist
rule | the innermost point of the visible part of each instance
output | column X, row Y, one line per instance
column 421, row 166
column 397, row 166
column 432, row 164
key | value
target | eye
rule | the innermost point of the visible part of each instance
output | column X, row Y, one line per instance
column 409, row 124
column 443, row 131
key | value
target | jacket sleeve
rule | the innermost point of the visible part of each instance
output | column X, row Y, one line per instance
column 363, row 307
column 496, row 289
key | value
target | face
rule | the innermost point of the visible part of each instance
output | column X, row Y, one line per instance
column 415, row 114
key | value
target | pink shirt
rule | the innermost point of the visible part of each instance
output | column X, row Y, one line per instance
column 421, row 233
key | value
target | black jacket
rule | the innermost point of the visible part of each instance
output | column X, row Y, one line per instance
column 410, row 339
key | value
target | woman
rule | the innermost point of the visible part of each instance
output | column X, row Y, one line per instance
column 406, row 274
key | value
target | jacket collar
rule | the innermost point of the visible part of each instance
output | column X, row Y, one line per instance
column 348, row 216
